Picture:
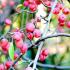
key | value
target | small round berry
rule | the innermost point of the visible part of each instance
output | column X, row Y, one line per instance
column 61, row 24
column 19, row 44
column 17, row 36
column 62, row 18
column 37, row 33
column 11, row 3
column 45, row 52
column 30, row 36
column 22, row 35
column 56, row 11
column 4, row 42
column 48, row 3
column 24, row 48
column 30, row 1
column 66, row 11
column 68, row 24
column 15, row 55
column 3, row 5
column 26, row 3
column 5, row 48
column 42, row 57
column 8, row 64
column 60, row 6
column 2, row 67
column 30, row 27
column 32, row 7
column 37, row 2
column 8, row 21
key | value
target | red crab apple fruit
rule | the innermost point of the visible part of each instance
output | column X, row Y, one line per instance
column 4, row 42
column 42, row 57
column 8, row 64
column 68, row 24
column 32, row 7
column 24, row 48
column 66, row 11
column 30, row 36
column 45, row 52
column 2, row 67
column 11, row 3
column 62, row 18
column 8, row 21
column 26, row 3
column 30, row 27
column 37, row 33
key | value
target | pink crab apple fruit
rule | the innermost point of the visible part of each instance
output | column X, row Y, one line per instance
column 33, row 7
column 4, row 42
column 66, row 11
column 30, row 36
column 48, row 3
column 56, row 11
column 26, row 3
column 11, row 3
column 60, row 6
column 31, row 1
column 61, row 24
column 45, row 52
column 17, row 36
column 68, row 24
column 37, row 2
column 8, row 21
column 42, row 57
column 19, row 44
column 24, row 48
column 15, row 55
column 62, row 18
column 37, row 33
column 4, row 5
column 2, row 67
column 30, row 27
column 8, row 64
column 5, row 48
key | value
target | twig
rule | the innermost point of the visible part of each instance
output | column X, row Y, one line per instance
column 17, row 60
column 50, row 65
column 47, row 26
column 43, row 3
column 41, row 40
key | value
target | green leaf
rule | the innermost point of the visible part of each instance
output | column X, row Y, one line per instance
column 66, row 60
column 11, row 51
column 23, row 19
column 22, row 1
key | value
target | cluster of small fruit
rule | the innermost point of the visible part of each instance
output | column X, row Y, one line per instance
column 32, row 4
column 31, row 30
column 18, row 36
column 4, row 3
column 62, row 15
